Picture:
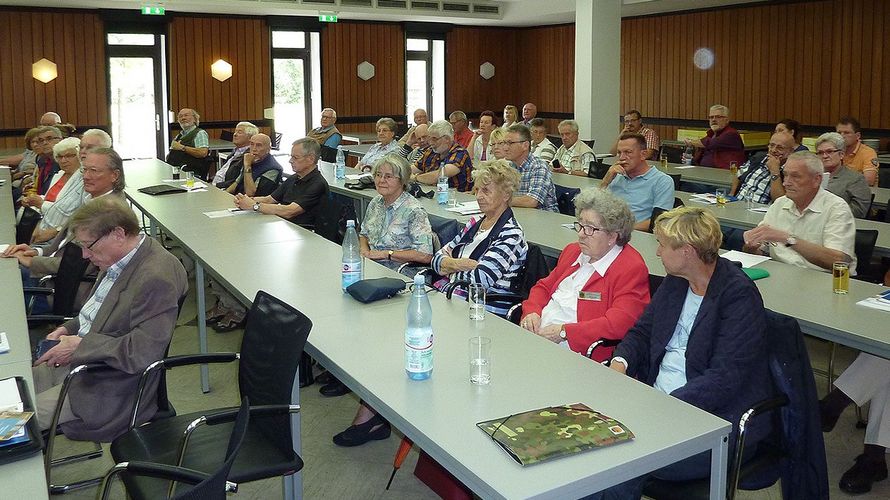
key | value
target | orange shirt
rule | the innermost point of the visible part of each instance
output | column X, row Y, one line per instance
column 863, row 158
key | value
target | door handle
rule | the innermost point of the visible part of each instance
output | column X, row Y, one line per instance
column 157, row 123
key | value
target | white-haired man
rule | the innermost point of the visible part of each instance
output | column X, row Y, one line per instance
column 227, row 174
column 191, row 146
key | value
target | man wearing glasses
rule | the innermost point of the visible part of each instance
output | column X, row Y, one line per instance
column 760, row 178
column 843, row 181
column 633, row 124
column 444, row 152
column 296, row 198
column 722, row 144
column 641, row 186
column 535, row 183
column 327, row 134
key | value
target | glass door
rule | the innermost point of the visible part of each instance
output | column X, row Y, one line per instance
column 291, row 85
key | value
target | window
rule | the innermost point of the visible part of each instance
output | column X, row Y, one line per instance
column 294, row 80
column 425, row 77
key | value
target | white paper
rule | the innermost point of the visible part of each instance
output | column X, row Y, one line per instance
column 4, row 343
column 709, row 198
column 759, row 210
column 229, row 212
column 10, row 399
column 747, row 259
column 569, row 225
column 3, row 247
column 466, row 208
column 880, row 301
column 684, row 167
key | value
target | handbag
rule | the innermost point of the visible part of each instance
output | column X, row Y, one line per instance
column 374, row 289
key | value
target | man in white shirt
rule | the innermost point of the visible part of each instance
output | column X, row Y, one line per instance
column 541, row 146
column 574, row 156
column 241, row 139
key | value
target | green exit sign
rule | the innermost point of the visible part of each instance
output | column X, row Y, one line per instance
column 327, row 18
column 152, row 11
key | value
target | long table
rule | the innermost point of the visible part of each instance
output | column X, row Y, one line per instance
column 363, row 346
column 24, row 478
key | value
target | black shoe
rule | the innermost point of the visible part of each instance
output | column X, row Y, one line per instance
column 333, row 389
column 325, row 377
column 861, row 476
column 356, row 435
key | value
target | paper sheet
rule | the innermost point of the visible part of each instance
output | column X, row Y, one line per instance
column 759, row 210
column 466, row 208
column 684, row 167
column 880, row 301
column 747, row 259
column 10, row 399
column 3, row 247
column 355, row 177
column 229, row 212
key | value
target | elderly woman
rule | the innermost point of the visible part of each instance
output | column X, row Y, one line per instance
column 396, row 228
column 22, row 164
column 511, row 114
column 386, row 131
column 792, row 127
column 480, row 147
column 701, row 339
column 65, row 193
column 600, row 285
column 490, row 250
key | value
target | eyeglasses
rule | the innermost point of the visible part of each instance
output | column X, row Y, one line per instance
column 43, row 140
column 90, row 246
column 92, row 170
column 67, row 156
column 510, row 143
column 828, row 152
column 716, row 117
column 432, row 138
column 588, row 229
column 385, row 177
column 297, row 157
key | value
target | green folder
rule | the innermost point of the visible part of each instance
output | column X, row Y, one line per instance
column 755, row 273
column 556, row 431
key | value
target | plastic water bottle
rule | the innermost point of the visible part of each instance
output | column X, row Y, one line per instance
column 688, row 154
column 340, row 169
column 442, row 187
column 352, row 258
column 419, row 334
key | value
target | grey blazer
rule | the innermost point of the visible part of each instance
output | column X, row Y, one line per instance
column 132, row 329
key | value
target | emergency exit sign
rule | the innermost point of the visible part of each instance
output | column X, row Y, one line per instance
column 327, row 18
column 152, row 11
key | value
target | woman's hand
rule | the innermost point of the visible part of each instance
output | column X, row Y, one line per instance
column 532, row 322
column 451, row 265
column 551, row 333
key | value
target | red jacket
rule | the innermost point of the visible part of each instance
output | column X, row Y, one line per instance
column 624, row 293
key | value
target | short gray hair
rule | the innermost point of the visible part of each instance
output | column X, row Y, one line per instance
column 249, row 128
column 104, row 138
column 572, row 124
column 458, row 115
column 835, row 139
column 813, row 162
column 388, row 123
column 310, row 147
column 613, row 210
column 723, row 109
column 102, row 215
column 399, row 165
column 332, row 110
column 441, row 128
column 116, row 164
column 67, row 144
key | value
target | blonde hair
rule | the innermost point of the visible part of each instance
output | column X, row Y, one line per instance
column 498, row 172
column 497, row 135
column 691, row 226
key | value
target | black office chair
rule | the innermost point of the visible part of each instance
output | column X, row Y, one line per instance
column 26, row 225
column 676, row 179
column 883, row 177
column 270, row 352
column 444, row 230
column 794, row 451
column 65, row 286
column 204, row 486
column 589, row 142
column 656, row 211
column 866, row 239
column 556, row 140
column 330, row 219
column 597, row 168
column 565, row 199
column 276, row 140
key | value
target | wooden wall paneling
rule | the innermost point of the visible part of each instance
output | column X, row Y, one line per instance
column 7, row 79
column 884, row 121
column 877, row 36
column 68, row 92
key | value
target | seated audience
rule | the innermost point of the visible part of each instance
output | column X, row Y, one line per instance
column 231, row 169
column 48, row 119
column 480, row 147
column 574, row 156
column 444, row 152
column 511, row 114
column 808, row 227
column 327, row 134
column 462, row 133
column 415, row 144
column 600, row 285
column 498, row 142
column 722, row 144
column 843, row 181
column 296, row 198
column 792, row 127
column 633, row 124
column 260, row 171
column 529, row 112
column 760, row 178
column 127, row 324
column 541, row 146
column 191, row 146
column 858, row 156
column 46, row 166
column 64, row 196
column 24, row 164
column 490, row 250
column 536, row 188
column 386, row 132
column 631, row 178
column 867, row 380
column 702, row 339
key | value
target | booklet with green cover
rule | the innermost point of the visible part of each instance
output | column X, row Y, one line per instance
column 556, row 431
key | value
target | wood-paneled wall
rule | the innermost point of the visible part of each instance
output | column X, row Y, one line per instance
column 75, row 42
column 811, row 61
column 465, row 50
column 546, row 65
column 197, row 42
column 343, row 47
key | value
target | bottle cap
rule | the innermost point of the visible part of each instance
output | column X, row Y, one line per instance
column 350, row 223
column 418, row 280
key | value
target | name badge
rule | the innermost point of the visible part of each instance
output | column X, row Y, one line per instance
column 597, row 296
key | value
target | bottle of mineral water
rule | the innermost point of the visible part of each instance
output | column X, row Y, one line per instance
column 340, row 169
column 442, row 187
column 352, row 257
column 419, row 334
column 688, row 155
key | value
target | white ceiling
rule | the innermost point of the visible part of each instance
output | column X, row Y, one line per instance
column 515, row 12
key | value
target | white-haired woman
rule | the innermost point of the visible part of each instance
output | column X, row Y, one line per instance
column 65, row 193
column 386, row 132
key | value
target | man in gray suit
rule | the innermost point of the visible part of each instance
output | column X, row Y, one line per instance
column 126, row 324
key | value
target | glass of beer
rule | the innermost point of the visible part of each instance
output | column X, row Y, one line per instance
column 189, row 180
column 734, row 169
column 840, row 273
column 721, row 196
column 663, row 160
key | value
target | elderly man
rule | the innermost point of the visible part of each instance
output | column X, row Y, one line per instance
column 48, row 119
column 444, row 153
column 760, row 178
column 416, row 143
column 641, row 186
column 541, row 146
column 633, row 124
column 858, row 156
column 535, row 183
column 808, row 227
column 260, row 172
column 296, row 198
column 722, row 144
column 126, row 324
column 230, row 170
column 190, row 148
column 574, row 156
column 421, row 117
column 843, row 181
column 529, row 112
column 93, row 139
column 47, row 137
column 327, row 136
column 462, row 133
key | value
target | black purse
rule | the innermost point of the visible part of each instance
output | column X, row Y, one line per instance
column 371, row 290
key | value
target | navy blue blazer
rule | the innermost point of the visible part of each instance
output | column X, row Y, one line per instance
column 726, row 356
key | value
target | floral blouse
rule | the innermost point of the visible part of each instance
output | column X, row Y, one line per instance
column 401, row 226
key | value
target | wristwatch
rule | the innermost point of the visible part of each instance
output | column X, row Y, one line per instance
column 562, row 332
column 791, row 241
column 256, row 207
column 774, row 177
column 389, row 255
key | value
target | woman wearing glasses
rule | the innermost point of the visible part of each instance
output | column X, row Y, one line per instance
column 600, row 285
column 65, row 193
column 386, row 131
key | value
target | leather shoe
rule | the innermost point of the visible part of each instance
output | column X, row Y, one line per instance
column 356, row 435
column 333, row 389
column 324, row 377
column 861, row 476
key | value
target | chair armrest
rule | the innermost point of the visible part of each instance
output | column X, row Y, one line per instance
column 601, row 343
column 38, row 290
column 38, row 319
column 514, row 314
column 160, row 471
column 757, row 409
column 449, row 288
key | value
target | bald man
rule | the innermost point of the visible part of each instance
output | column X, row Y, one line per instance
column 260, row 173
column 529, row 112
column 50, row 118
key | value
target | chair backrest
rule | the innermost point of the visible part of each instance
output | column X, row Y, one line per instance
column 24, row 228
column 597, row 169
column 536, row 267
column 556, row 140
column 589, row 142
column 328, row 154
column 330, row 219
column 445, row 228
column 276, row 140
column 226, row 135
column 677, row 202
column 565, row 199
column 273, row 342
column 676, row 179
column 865, row 247
column 68, row 280
column 656, row 211
column 214, row 487
column 883, row 177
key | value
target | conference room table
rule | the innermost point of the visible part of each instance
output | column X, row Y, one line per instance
column 24, row 478
column 363, row 346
